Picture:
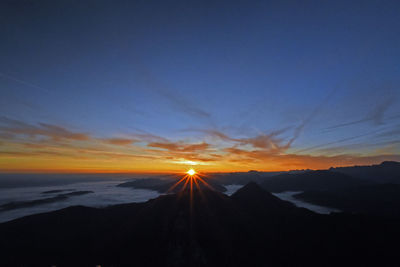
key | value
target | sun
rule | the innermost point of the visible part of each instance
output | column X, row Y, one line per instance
column 191, row 172
column 190, row 181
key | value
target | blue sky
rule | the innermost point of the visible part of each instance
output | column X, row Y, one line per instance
column 325, row 73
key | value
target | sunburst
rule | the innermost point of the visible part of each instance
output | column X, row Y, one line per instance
column 191, row 180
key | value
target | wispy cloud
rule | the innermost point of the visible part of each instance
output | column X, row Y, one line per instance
column 268, row 141
column 342, row 140
column 376, row 115
column 181, row 147
column 295, row 161
column 23, row 82
column 13, row 127
column 41, row 142
column 149, row 137
column 177, row 101
column 118, row 141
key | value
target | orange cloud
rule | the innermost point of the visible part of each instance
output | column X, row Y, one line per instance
column 63, row 149
column 118, row 141
column 180, row 147
column 269, row 141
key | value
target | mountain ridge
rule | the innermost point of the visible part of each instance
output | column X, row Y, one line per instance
column 202, row 228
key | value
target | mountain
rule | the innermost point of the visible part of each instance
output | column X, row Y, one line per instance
column 386, row 172
column 310, row 180
column 202, row 228
column 376, row 199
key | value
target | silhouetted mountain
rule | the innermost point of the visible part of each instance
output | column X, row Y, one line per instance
column 386, row 172
column 252, row 196
column 377, row 199
column 206, row 228
column 310, row 180
column 163, row 185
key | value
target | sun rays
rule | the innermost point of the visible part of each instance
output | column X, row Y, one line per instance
column 191, row 181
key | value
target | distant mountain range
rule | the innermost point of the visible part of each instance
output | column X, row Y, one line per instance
column 206, row 228
column 359, row 189
column 310, row 180
column 386, row 172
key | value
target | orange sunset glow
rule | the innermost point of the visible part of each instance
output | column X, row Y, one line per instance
column 99, row 155
column 135, row 104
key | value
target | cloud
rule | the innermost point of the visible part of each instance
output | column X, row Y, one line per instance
column 177, row 101
column 269, row 142
column 295, row 161
column 337, row 141
column 148, row 137
column 184, row 153
column 23, row 82
column 394, row 132
column 12, row 127
column 375, row 115
column 299, row 129
column 265, row 151
column 118, row 141
column 180, row 147
column 30, row 154
column 114, row 154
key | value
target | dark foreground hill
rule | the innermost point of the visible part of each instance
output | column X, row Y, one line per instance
column 208, row 228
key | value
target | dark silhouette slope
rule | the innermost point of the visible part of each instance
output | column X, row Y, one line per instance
column 206, row 228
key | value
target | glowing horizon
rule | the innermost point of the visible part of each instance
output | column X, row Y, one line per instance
column 223, row 93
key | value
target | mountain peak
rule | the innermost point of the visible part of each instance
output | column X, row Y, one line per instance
column 251, row 188
column 253, row 195
column 390, row 163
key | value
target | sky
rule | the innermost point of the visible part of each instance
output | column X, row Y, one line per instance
column 159, row 86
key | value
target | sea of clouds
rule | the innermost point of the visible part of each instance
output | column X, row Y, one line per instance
column 105, row 193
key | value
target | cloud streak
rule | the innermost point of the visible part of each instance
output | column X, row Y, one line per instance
column 375, row 116
column 119, row 141
column 12, row 127
column 42, row 143
column 180, row 147
column 178, row 102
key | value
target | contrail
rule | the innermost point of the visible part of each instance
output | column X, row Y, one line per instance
column 299, row 129
column 29, row 84
column 336, row 142
column 2, row 74
column 376, row 115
